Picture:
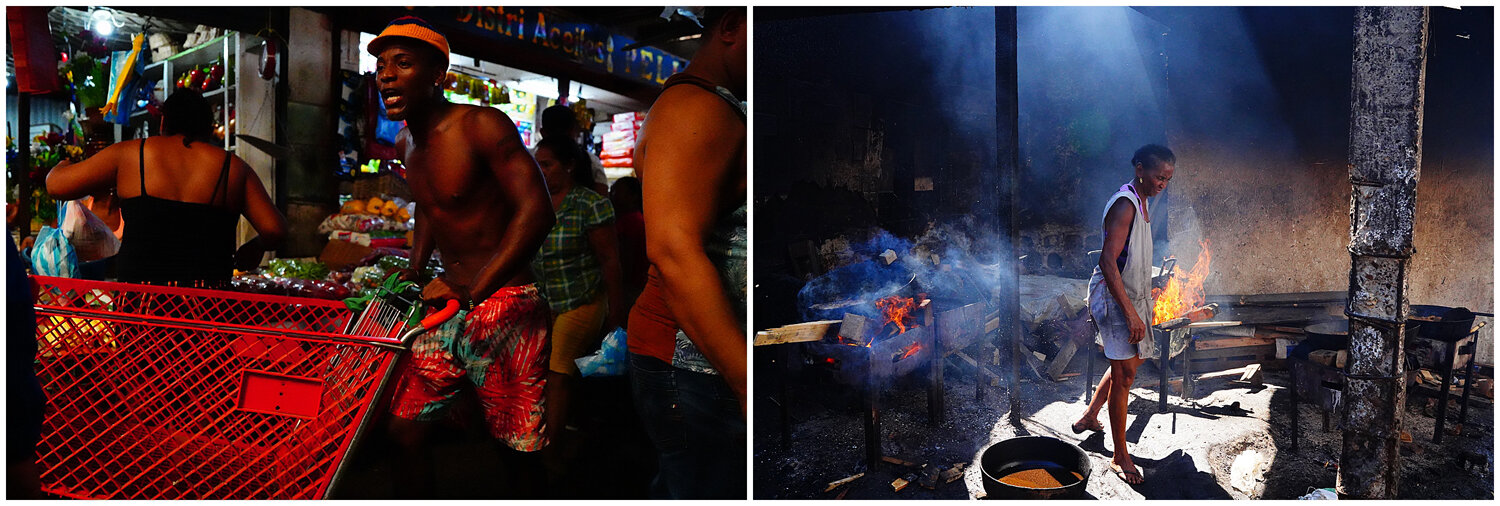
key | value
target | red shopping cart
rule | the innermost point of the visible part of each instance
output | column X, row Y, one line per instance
column 182, row 393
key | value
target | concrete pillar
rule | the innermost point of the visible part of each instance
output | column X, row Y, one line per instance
column 1385, row 153
column 311, row 111
column 1008, row 162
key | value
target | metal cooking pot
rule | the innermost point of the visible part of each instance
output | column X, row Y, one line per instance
column 859, row 303
column 1056, row 456
column 1451, row 324
column 1332, row 335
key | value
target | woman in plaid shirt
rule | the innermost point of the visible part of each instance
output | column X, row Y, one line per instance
column 578, row 265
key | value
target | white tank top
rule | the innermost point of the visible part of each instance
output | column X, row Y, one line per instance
column 1137, row 272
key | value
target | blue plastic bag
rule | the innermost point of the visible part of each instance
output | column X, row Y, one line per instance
column 610, row 360
column 52, row 254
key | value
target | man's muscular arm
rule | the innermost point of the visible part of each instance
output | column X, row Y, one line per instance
column 688, row 149
column 498, row 146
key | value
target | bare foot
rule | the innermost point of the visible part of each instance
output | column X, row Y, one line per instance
column 1127, row 472
column 1087, row 423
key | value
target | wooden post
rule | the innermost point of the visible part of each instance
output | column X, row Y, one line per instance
column 935, row 364
column 1164, row 341
column 871, row 399
column 1007, row 115
column 1385, row 155
column 23, row 167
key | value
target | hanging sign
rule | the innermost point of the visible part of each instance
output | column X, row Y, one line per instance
column 591, row 45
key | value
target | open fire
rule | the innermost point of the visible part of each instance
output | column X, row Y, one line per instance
column 896, row 309
column 1184, row 292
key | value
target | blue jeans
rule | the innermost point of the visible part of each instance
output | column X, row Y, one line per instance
column 694, row 421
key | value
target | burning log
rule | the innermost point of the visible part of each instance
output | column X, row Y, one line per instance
column 1197, row 314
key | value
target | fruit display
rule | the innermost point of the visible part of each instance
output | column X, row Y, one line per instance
column 204, row 78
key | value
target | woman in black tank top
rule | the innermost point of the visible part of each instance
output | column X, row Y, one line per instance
column 181, row 225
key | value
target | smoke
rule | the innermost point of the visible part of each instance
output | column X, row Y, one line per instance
column 1092, row 90
column 957, row 261
column 958, row 44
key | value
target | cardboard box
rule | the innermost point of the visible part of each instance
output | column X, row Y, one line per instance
column 339, row 254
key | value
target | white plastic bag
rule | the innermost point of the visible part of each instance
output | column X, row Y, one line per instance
column 1324, row 494
column 91, row 238
column 52, row 255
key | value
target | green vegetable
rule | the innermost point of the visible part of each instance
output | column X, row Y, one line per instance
column 392, row 263
column 392, row 286
column 300, row 269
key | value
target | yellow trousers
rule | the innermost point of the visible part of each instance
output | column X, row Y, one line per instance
column 577, row 333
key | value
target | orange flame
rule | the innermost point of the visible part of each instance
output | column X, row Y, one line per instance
column 910, row 350
column 896, row 309
column 1184, row 292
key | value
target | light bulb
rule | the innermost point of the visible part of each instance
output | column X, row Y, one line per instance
column 104, row 22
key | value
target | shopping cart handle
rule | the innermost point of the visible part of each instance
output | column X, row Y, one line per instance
column 435, row 319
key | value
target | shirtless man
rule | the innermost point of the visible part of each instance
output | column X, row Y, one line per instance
column 481, row 200
column 690, row 385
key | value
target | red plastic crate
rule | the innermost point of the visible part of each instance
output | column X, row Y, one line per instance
column 181, row 393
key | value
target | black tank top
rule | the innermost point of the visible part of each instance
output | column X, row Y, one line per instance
column 178, row 243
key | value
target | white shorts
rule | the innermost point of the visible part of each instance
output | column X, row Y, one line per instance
column 1114, row 332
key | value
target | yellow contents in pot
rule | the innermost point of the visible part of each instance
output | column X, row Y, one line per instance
column 1038, row 478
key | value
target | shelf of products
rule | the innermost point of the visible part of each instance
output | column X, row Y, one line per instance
column 213, row 68
column 618, row 155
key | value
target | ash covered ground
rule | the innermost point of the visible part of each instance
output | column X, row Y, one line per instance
column 1190, row 452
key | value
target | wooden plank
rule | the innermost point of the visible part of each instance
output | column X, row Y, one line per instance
column 953, row 473
column 1282, row 299
column 1298, row 331
column 975, row 364
column 1060, row 361
column 795, row 333
column 1236, row 331
column 1239, row 371
column 899, row 484
column 857, row 328
column 1232, row 342
column 838, row 483
column 1213, row 324
column 1280, row 316
column 1033, row 364
column 1252, row 375
column 897, row 461
column 1266, row 350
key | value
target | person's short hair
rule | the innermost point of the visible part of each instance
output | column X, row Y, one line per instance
column 625, row 194
column 571, row 154
column 558, row 120
column 186, row 112
column 1152, row 156
column 714, row 14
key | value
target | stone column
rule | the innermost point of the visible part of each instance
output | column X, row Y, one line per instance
column 1385, row 154
column 310, row 190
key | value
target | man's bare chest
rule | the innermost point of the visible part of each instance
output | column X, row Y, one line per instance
column 444, row 175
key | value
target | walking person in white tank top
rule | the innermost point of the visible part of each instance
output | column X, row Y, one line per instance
column 1120, row 297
